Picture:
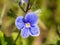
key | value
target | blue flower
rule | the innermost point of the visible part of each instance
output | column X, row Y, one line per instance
column 26, row 0
column 22, row 1
column 28, row 25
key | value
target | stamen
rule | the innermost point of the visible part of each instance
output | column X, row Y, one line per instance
column 27, row 25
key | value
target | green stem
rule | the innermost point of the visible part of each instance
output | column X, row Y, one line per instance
column 27, row 8
column 17, row 36
column 22, row 8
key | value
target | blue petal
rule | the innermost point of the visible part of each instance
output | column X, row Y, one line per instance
column 25, row 32
column 34, row 31
column 26, row 0
column 19, row 22
column 31, row 18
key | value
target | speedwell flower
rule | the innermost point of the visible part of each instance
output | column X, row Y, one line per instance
column 28, row 25
column 26, row 0
column 23, row 1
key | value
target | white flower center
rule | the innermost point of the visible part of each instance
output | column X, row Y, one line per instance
column 27, row 25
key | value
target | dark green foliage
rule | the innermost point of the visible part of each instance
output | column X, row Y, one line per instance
column 11, row 14
column 58, row 29
column 9, row 40
column 0, row 42
column 58, row 43
column 30, row 40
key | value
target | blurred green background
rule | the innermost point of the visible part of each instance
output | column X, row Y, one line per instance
column 48, row 12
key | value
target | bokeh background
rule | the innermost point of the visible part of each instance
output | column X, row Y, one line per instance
column 48, row 12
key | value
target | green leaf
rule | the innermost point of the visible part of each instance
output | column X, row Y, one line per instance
column 58, row 42
column 9, row 40
column 11, row 14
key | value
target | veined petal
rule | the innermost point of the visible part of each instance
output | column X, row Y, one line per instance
column 19, row 22
column 31, row 18
column 34, row 31
column 34, row 24
column 25, row 32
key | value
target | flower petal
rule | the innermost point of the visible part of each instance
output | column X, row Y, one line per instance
column 26, row 0
column 31, row 17
column 25, row 32
column 19, row 22
column 34, row 31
